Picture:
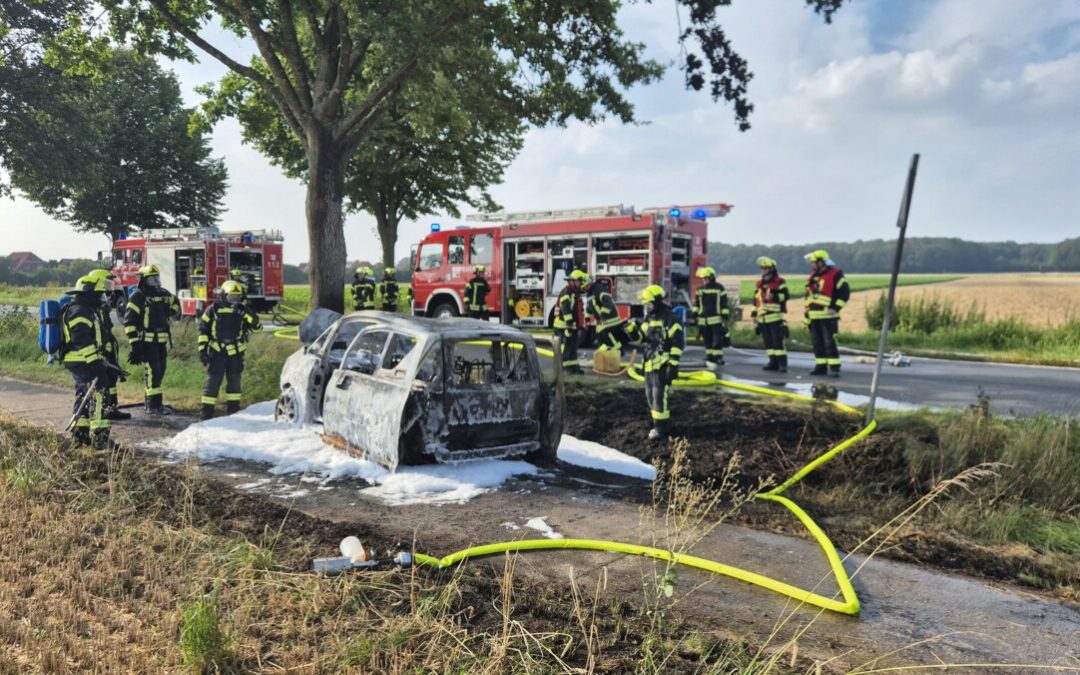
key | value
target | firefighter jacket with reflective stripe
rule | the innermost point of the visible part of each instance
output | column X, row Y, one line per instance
column 364, row 293
column 603, row 310
column 566, row 309
column 826, row 290
column 148, row 314
column 112, row 346
column 770, row 299
column 476, row 294
column 711, row 305
column 226, row 328
column 388, row 290
column 663, row 336
column 83, row 335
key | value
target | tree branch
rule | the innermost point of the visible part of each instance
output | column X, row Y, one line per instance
column 266, row 45
column 394, row 81
column 247, row 71
column 293, row 54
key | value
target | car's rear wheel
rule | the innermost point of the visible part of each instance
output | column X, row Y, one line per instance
column 445, row 310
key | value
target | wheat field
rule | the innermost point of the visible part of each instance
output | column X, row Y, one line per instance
column 1038, row 299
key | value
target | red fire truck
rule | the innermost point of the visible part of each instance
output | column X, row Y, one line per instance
column 530, row 254
column 195, row 261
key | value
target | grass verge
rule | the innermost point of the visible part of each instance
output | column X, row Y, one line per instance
column 138, row 567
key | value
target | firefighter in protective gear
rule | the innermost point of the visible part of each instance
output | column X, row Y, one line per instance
column 388, row 290
column 827, row 292
column 363, row 288
column 224, row 330
column 664, row 340
column 476, row 292
column 146, row 324
column 105, row 279
column 83, row 348
column 610, row 327
column 770, row 304
column 712, row 311
column 568, row 320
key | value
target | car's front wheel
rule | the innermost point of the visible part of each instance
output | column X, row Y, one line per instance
column 288, row 408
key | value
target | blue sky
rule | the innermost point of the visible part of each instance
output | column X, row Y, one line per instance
column 988, row 91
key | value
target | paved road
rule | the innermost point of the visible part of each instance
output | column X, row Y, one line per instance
column 1013, row 389
column 930, row 617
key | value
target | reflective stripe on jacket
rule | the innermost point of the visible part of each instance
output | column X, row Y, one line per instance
column 566, row 310
column 476, row 293
column 364, row 294
column 148, row 314
column 770, row 299
column 603, row 309
column 227, row 328
column 83, row 337
column 824, row 291
column 664, row 338
column 711, row 304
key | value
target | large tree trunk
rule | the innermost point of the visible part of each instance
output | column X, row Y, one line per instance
column 325, row 224
column 386, row 222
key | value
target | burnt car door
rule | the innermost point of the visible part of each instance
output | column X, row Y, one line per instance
column 305, row 374
column 552, row 413
column 365, row 396
column 493, row 398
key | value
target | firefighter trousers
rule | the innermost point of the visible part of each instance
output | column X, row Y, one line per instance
column 657, row 387
column 714, row 338
column 155, row 356
column 773, row 333
column 481, row 313
column 823, row 335
column 112, row 377
column 614, row 337
column 568, row 344
column 222, row 367
column 91, row 425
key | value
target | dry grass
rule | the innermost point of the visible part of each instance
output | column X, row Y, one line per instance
column 1042, row 300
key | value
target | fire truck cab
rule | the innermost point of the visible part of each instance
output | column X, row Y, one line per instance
column 195, row 261
column 529, row 256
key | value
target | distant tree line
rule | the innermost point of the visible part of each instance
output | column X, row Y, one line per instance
column 922, row 255
column 51, row 275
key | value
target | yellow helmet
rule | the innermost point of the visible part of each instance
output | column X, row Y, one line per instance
column 765, row 261
column 389, row 270
column 479, row 268
column 149, row 271
column 361, row 270
column 819, row 254
column 87, row 284
column 104, row 277
column 235, row 272
column 578, row 275
column 651, row 293
column 232, row 287
column 706, row 272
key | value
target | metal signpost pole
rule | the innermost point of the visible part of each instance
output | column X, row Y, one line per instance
column 901, row 222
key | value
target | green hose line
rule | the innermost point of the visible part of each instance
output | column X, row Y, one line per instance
column 849, row 606
column 288, row 333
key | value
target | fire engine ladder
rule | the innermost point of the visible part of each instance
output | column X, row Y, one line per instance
column 551, row 214
column 663, row 249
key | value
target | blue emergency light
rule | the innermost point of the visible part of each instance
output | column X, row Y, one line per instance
column 122, row 236
column 674, row 213
column 435, row 227
column 700, row 214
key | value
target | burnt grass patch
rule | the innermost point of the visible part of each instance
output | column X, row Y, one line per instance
column 851, row 496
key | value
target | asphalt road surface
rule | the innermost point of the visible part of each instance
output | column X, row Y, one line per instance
column 936, row 383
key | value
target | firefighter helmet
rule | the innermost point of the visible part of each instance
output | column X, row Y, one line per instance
column 706, row 272
column 479, row 268
column 819, row 254
column 86, row 284
column 149, row 271
column 360, row 270
column 105, row 277
column 765, row 261
column 651, row 293
column 232, row 287
column 235, row 272
column 389, row 271
column 579, row 276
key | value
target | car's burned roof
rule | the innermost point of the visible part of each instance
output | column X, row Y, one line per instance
column 446, row 328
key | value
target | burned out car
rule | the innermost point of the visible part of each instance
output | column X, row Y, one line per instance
column 405, row 390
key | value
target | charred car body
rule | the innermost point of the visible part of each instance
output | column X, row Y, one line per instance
column 403, row 390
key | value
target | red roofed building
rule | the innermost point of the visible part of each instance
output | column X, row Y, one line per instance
column 25, row 262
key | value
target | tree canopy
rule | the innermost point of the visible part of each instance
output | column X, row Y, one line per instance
column 109, row 153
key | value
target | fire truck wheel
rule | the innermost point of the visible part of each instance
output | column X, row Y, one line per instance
column 444, row 310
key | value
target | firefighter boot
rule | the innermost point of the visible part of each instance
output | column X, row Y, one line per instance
column 820, row 369
column 80, row 436
column 711, row 366
column 114, row 413
column 834, row 370
column 782, row 363
column 659, row 431
column 774, row 364
column 101, row 439
column 207, row 412
column 232, row 407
